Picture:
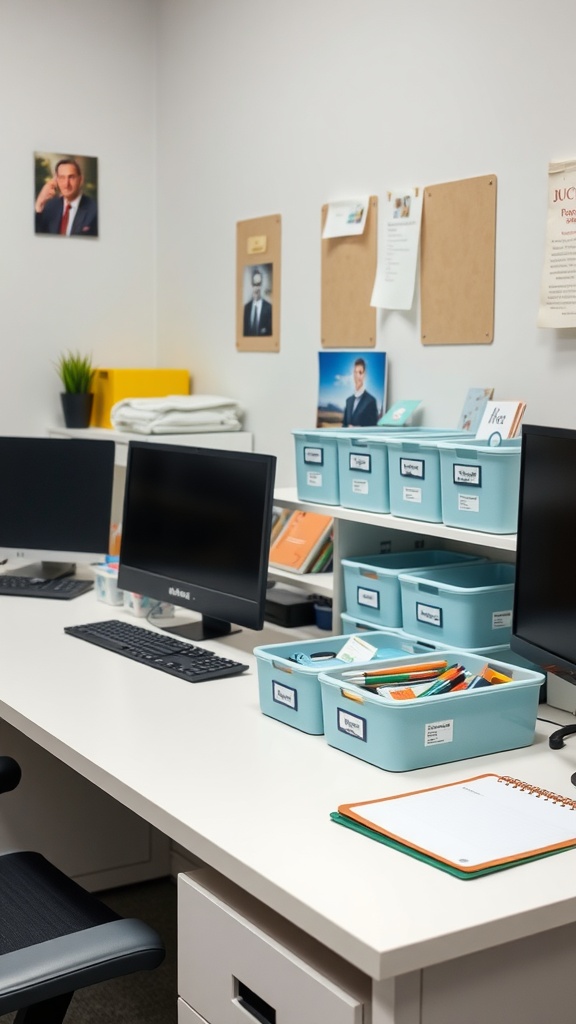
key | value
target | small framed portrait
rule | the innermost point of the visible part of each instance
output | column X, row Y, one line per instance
column 66, row 195
column 258, row 284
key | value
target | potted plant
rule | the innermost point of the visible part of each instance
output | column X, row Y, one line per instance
column 76, row 373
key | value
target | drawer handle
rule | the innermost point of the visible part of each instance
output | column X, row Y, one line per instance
column 253, row 1003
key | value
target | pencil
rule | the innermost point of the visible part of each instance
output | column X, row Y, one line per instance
column 395, row 669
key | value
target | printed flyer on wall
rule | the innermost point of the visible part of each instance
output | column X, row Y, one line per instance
column 558, row 289
column 398, row 243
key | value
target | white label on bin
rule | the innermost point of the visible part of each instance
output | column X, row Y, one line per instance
column 413, row 494
column 314, row 455
column 314, row 479
column 502, row 620
column 468, row 502
column 412, row 467
column 368, row 598
column 360, row 463
column 359, row 487
column 438, row 732
column 469, row 475
column 284, row 695
column 429, row 614
column 352, row 725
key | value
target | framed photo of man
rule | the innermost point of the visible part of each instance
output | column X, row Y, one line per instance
column 258, row 285
column 66, row 195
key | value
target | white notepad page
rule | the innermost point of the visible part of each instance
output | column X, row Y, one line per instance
column 479, row 821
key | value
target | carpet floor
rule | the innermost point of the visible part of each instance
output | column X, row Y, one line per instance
column 149, row 997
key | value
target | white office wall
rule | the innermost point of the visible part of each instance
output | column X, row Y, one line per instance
column 271, row 106
column 79, row 77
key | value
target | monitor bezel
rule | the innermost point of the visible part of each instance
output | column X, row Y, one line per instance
column 548, row 660
column 185, row 593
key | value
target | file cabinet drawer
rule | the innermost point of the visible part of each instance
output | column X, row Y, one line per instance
column 238, row 961
column 186, row 1015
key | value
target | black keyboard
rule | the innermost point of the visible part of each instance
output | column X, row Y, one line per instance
column 62, row 589
column 167, row 653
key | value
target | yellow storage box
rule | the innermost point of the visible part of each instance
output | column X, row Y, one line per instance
column 113, row 385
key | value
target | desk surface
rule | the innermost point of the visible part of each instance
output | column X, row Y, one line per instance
column 252, row 797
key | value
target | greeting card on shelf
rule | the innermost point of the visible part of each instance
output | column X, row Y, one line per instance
column 474, row 405
column 399, row 413
column 500, row 420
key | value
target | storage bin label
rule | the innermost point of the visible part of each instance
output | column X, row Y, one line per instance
column 315, row 455
column 468, row 502
column 359, row 487
column 413, row 467
column 285, row 695
column 368, row 598
column 438, row 732
column 429, row 613
column 360, row 463
column 352, row 725
column 314, row 479
column 413, row 494
column 470, row 476
column 502, row 620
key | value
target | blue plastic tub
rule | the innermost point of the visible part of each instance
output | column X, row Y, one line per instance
column 464, row 606
column 480, row 485
column 363, row 465
column 289, row 690
column 414, row 473
column 399, row 736
column 371, row 582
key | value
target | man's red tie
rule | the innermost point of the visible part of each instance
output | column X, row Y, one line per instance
column 65, row 218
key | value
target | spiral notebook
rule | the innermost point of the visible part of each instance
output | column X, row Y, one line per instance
column 471, row 827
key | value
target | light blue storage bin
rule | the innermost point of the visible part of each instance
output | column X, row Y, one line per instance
column 290, row 691
column 400, row 736
column 414, row 476
column 317, row 468
column 480, row 485
column 363, row 465
column 465, row 606
column 372, row 587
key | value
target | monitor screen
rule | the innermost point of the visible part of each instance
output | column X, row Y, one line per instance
column 544, row 617
column 196, row 532
column 55, row 502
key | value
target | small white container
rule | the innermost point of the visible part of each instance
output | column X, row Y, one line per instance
column 106, row 585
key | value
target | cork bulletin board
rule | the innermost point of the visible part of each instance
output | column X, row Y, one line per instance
column 258, row 267
column 457, row 265
column 348, row 272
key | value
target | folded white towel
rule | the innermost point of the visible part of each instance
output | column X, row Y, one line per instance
column 176, row 414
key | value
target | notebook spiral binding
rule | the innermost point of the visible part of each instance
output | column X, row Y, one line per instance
column 555, row 798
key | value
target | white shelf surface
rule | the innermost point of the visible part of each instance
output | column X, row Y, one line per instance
column 233, row 440
column 288, row 497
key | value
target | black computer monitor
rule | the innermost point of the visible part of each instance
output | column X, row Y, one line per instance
column 544, row 615
column 55, row 503
column 196, row 532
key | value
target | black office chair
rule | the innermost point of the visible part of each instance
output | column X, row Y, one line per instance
column 55, row 937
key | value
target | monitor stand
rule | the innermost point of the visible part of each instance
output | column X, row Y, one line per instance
column 205, row 628
column 45, row 570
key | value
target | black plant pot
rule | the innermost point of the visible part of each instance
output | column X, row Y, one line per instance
column 77, row 408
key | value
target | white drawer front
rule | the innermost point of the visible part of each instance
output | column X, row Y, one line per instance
column 186, row 1015
column 232, row 969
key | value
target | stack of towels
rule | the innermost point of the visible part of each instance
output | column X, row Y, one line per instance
column 176, row 414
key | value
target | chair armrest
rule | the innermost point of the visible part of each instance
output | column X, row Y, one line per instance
column 10, row 774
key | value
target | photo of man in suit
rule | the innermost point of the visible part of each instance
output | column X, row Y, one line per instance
column 258, row 311
column 361, row 409
column 62, row 208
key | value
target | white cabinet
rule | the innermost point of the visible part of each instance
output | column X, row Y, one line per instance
column 361, row 533
column 238, row 961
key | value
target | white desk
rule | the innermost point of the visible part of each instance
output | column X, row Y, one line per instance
column 251, row 798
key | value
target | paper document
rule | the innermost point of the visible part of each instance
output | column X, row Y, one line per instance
column 398, row 243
